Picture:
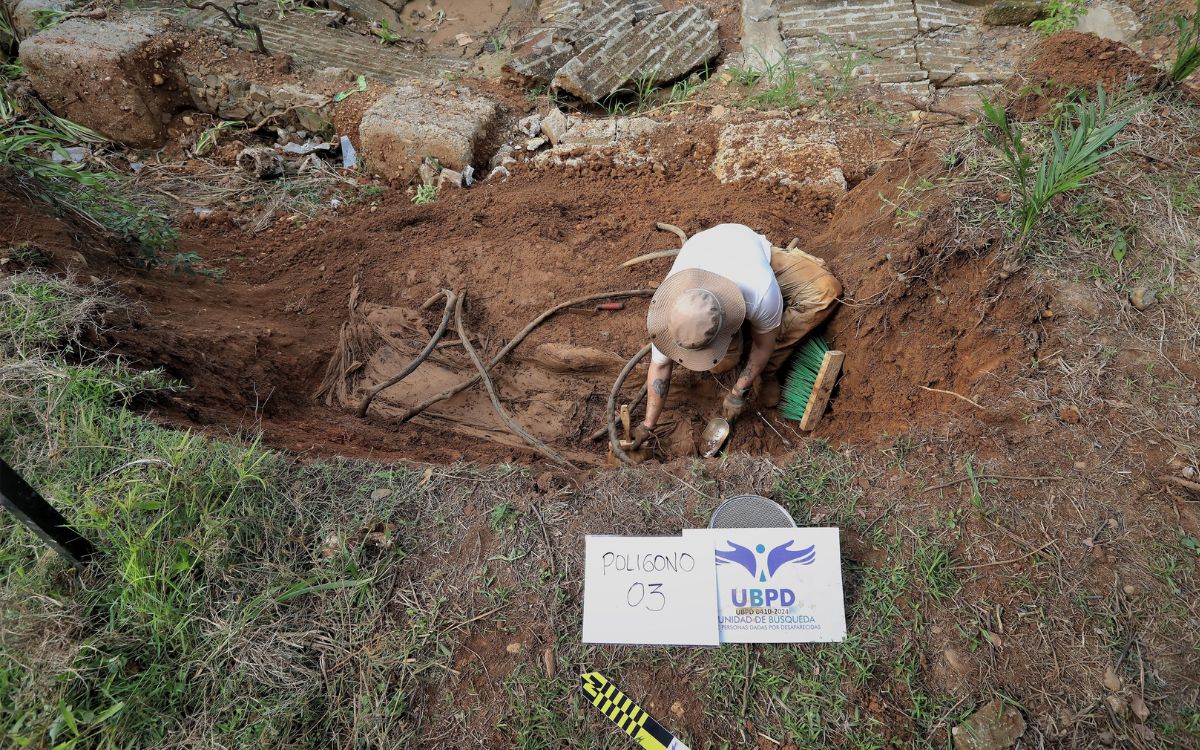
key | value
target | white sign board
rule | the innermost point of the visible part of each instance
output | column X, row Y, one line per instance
column 777, row 585
column 649, row 590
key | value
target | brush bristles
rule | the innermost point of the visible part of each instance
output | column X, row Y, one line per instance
column 802, row 379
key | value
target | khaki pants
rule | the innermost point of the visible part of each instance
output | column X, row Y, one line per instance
column 809, row 291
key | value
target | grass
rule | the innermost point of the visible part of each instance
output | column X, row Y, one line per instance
column 208, row 139
column 245, row 598
column 1187, row 45
column 27, row 146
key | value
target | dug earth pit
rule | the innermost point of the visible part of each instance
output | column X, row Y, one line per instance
column 412, row 123
column 111, row 76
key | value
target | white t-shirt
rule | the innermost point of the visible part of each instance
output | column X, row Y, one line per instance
column 743, row 256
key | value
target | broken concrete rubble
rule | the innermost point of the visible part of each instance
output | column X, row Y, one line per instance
column 597, row 48
column 800, row 154
column 414, row 122
column 101, row 75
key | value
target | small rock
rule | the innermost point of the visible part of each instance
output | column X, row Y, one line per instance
column 1014, row 12
column 1129, row 589
column 1112, row 682
column 158, row 79
column 549, row 665
column 1141, row 711
column 187, row 120
column 1081, row 465
column 717, row 112
column 555, row 125
column 501, row 172
column 1069, row 414
column 380, row 493
column 463, row 40
column 533, row 144
column 1118, row 705
column 530, row 126
column 1003, row 197
column 996, row 726
column 449, row 178
column 677, row 710
column 1079, row 299
column 428, row 173
column 1189, row 472
column 1142, row 297
column 514, row 647
column 260, row 161
column 497, row 160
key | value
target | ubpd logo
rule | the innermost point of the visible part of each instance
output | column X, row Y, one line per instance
column 763, row 566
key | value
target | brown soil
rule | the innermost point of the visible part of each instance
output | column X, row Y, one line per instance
column 254, row 349
column 1070, row 60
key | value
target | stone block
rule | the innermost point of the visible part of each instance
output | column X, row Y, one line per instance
column 1014, row 12
column 411, row 123
column 661, row 48
column 101, row 75
column 801, row 154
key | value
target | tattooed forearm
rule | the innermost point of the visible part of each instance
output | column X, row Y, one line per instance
column 660, row 386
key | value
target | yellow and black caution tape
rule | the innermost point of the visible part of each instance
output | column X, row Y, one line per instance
column 631, row 718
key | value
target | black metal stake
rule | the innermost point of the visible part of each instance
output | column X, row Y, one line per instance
column 31, row 509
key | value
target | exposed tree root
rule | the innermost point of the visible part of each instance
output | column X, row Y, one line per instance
column 538, row 445
column 517, row 340
column 613, row 441
column 451, row 299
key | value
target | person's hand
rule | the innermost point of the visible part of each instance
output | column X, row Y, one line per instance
column 734, row 404
column 641, row 433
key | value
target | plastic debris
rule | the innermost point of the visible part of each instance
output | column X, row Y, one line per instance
column 349, row 155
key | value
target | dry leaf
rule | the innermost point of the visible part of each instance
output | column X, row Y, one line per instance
column 1140, row 709
column 1112, row 682
column 993, row 639
column 425, row 479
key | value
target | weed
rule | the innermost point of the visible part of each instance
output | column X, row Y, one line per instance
column 1061, row 15
column 776, row 86
column 208, row 139
column 27, row 254
column 45, row 18
column 842, row 81
column 1077, row 152
column 385, row 34
column 503, row 517
column 683, row 91
column 425, row 195
column 498, row 41
column 1187, row 45
column 95, row 197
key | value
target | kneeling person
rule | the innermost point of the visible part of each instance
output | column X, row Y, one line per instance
column 725, row 277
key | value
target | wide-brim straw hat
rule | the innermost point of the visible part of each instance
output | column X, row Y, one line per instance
column 732, row 308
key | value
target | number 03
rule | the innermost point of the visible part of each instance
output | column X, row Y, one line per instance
column 637, row 596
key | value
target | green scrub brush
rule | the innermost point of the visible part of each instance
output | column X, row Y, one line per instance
column 814, row 370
